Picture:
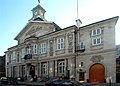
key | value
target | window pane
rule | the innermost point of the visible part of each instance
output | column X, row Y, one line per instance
column 94, row 41
column 94, row 32
column 98, row 41
column 98, row 31
column 62, row 45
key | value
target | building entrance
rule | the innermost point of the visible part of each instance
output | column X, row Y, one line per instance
column 81, row 76
column 32, row 71
column 97, row 73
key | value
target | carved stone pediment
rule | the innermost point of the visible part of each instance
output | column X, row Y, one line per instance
column 97, row 58
column 33, row 30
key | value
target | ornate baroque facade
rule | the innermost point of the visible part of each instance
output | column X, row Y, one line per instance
column 44, row 49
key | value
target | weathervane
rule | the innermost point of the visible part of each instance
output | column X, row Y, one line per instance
column 38, row 1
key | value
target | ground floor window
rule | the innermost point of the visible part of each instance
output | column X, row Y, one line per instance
column 23, row 70
column 44, row 68
column 61, row 67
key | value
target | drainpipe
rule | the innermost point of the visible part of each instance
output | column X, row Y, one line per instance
column 75, row 37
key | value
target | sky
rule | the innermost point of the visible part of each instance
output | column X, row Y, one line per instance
column 14, row 15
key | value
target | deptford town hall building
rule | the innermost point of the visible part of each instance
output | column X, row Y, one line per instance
column 85, row 53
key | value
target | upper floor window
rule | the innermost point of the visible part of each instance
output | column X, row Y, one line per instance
column 10, row 58
column 96, row 41
column 96, row 32
column 82, row 46
column 43, row 48
column 28, row 50
column 18, row 55
column 35, row 49
column 13, row 56
column 60, row 43
column 23, row 53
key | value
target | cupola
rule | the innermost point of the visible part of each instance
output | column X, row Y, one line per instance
column 38, row 13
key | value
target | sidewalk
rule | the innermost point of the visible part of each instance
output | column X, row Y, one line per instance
column 32, row 83
column 84, row 84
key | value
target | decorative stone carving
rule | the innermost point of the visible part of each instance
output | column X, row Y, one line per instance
column 33, row 30
column 97, row 58
column 70, row 43
column 51, row 47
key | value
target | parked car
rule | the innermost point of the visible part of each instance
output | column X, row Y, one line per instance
column 8, row 80
column 12, row 80
column 63, row 83
column 3, row 80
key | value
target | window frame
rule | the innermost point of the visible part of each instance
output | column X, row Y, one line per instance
column 61, row 67
column 96, row 41
column 60, row 43
column 44, row 68
column 95, row 32
column 82, row 45
column 35, row 48
column 43, row 48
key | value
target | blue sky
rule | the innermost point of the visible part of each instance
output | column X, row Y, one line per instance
column 14, row 15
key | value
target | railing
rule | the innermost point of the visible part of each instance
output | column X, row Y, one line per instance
column 80, row 49
column 28, row 56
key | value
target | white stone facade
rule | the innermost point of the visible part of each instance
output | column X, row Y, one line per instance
column 44, row 49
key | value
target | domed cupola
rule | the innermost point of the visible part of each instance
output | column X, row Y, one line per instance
column 38, row 13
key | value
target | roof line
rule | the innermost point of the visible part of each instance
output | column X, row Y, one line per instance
column 99, row 21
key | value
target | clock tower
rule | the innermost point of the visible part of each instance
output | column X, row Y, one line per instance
column 38, row 13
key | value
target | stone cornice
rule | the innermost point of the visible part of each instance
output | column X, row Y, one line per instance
column 57, row 57
column 97, row 52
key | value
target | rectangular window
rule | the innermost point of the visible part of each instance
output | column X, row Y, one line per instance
column 61, row 67
column 28, row 50
column 82, row 46
column 96, row 41
column 18, row 56
column 23, row 53
column 43, row 48
column 60, row 43
column 35, row 49
column 44, row 68
column 96, row 32
column 10, row 58
column 13, row 56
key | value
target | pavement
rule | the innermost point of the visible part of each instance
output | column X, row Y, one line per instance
column 84, row 84
column 32, row 83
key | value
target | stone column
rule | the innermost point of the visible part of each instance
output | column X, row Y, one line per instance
column 48, row 68
column 36, row 69
column 54, row 46
column 51, row 68
column 40, row 69
column 65, row 71
column 56, row 69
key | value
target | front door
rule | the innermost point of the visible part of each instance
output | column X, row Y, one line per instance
column 96, row 73
column 81, row 76
column 32, row 71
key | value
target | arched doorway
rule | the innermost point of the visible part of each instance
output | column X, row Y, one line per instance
column 97, row 73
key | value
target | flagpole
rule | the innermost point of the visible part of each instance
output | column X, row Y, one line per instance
column 77, row 10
